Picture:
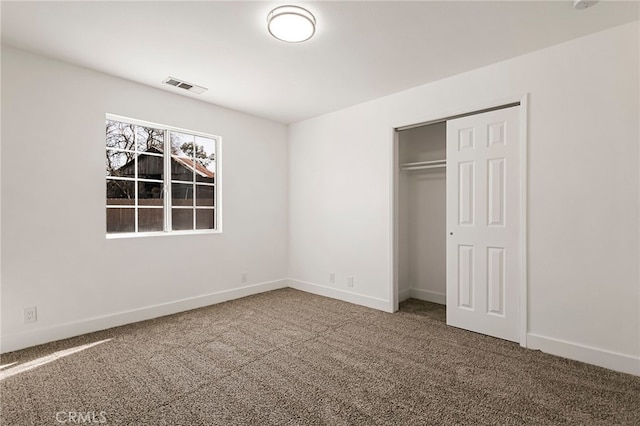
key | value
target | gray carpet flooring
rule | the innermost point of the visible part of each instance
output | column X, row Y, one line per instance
column 290, row 358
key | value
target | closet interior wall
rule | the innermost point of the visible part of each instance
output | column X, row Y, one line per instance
column 422, row 215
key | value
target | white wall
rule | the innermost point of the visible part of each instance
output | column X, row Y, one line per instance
column 583, row 230
column 54, row 251
column 422, row 215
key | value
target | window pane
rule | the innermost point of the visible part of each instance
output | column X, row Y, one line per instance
column 182, row 194
column 181, row 168
column 206, row 148
column 204, row 195
column 150, row 139
column 120, row 163
column 150, row 167
column 205, row 219
column 149, row 194
column 120, row 192
column 182, row 219
column 120, row 135
column 205, row 171
column 150, row 220
column 120, row 220
column 181, row 144
column 205, row 154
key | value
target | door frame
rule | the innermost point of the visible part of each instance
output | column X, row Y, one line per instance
column 523, row 100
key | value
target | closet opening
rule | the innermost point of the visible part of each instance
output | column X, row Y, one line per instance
column 422, row 202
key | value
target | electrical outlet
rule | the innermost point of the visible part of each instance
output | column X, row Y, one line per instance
column 30, row 314
column 349, row 281
column 243, row 277
column 332, row 277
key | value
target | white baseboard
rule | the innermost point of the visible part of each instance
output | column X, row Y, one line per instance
column 600, row 357
column 429, row 296
column 603, row 358
column 346, row 296
column 17, row 341
column 404, row 294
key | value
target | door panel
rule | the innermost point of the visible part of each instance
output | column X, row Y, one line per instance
column 496, row 202
column 465, row 274
column 466, row 193
column 495, row 281
column 466, row 139
column 482, row 223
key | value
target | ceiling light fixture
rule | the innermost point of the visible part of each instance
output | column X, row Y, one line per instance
column 291, row 23
column 583, row 4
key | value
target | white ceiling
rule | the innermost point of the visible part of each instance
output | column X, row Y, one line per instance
column 361, row 50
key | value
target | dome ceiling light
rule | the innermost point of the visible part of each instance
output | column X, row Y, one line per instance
column 292, row 24
column 583, row 4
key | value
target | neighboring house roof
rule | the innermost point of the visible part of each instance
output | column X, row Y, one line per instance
column 189, row 163
column 193, row 165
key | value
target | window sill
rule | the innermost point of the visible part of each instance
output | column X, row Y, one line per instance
column 160, row 234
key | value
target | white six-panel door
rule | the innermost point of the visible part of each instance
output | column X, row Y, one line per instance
column 483, row 223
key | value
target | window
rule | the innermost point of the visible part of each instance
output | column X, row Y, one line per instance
column 159, row 179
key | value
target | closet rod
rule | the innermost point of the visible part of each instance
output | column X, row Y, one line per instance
column 428, row 166
column 423, row 163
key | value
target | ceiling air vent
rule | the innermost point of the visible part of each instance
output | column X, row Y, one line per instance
column 184, row 85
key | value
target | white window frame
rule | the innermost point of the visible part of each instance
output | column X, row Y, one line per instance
column 167, row 182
